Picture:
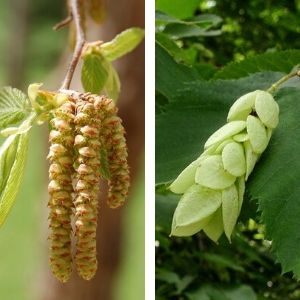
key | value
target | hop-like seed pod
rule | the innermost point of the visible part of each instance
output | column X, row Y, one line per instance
column 113, row 140
column 87, row 143
column 213, row 185
column 60, row 190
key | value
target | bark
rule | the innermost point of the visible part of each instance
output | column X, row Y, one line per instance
column 121, row 14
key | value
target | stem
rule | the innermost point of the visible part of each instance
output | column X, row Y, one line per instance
column 275, row 85
column 80, row 41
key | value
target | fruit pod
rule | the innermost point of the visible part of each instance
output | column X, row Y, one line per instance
column 60, row 189
column 113, row 139
column 213, row 185
column 87, row 145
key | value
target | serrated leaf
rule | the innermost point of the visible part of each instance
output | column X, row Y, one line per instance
column 12, row 162
column 123, row 43
column 279, row 61
column 113, row 84
column 275, row 183
column 94, row 73
column 14, row 106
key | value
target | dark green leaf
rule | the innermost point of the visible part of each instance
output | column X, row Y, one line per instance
column 14, row 106
column 281, row 61
column 170, row 76
column 94, row 73
column 275, row 183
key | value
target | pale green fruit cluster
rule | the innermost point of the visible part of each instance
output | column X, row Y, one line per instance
column 213, row 185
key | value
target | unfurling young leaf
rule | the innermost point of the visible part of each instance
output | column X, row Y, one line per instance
column 113, row 84
column 123, row 43
column 14, row 106
column 13, row 154
column 95, row 71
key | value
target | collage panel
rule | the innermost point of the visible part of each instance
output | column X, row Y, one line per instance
column 72, row 150
column 227, row 131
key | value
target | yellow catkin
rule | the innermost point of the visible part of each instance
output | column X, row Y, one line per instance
column 113, row 139
column 87, row 144
column 60, row 190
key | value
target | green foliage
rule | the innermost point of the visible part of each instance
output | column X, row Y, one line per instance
column 280, row 61
column 275, row 184
column 94, row 72
column 178, row 8
column 13, row 155
column 123, row 43
column 14, row 106
column 189, row 110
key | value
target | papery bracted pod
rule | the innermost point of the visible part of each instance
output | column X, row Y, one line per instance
column 60, row 189
column 213, row 185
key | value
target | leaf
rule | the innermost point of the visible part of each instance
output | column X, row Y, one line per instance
column 178, row 31
column 177, row 8
column 123, row 43
column 94, row 73
column 113, row 84
column 170, row 76
column 275, row 183
column 279, row 61
column 14, row 106
column 12, row 162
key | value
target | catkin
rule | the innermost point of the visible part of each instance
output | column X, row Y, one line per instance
column 60, row 190
column 113, row 139
column 87, row 144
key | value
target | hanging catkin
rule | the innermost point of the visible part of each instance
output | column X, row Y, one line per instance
column 113, row 139
column 60, row 190
column 87, row 143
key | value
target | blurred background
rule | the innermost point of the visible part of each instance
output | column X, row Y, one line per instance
column 32, row 52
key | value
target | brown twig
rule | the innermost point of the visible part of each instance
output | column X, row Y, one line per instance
column 63, row 23
column 80, row 42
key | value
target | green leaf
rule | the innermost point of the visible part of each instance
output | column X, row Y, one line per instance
column 177, row 8
column 13, row 154
column 279, row 61
column 113, row 84
column 275, row 183
column 14, row 106
column 94, row 73
column 123, row 43
column 170, row 76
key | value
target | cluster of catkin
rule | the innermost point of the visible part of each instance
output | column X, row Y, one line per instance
column 83, row 129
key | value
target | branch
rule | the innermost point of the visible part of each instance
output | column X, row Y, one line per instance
column 80, row 41
column 275, row 85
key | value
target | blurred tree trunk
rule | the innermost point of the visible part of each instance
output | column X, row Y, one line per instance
column 16, row 46
column 121, row 14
